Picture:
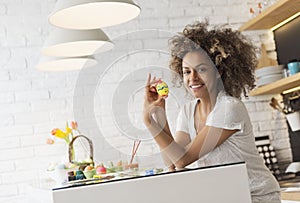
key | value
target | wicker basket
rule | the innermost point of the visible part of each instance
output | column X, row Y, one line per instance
column 71, row 148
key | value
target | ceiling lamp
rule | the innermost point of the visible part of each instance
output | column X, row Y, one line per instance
column 65, row 64
column 74, row 43
column 92, row 14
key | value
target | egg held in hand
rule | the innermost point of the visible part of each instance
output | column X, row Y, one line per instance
column 162, row 89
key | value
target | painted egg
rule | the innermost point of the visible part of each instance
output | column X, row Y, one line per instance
column 162, row 89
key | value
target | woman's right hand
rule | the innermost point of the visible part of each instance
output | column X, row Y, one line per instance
column 152, row 100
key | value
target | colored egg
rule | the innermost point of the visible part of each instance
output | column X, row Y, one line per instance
column 162, row 89
column 101, row 169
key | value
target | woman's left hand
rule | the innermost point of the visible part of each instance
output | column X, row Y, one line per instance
column 152, row 100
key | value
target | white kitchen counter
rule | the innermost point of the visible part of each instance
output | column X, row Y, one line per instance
column 227, row 183
column 41, row 192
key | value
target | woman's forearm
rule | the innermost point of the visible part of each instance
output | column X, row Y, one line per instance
column 173, row 151
column 157, row 124
column 161, row 119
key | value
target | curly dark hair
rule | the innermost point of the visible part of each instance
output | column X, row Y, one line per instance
column 232, row 53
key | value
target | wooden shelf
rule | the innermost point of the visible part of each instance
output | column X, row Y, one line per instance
column 278, row 86
column 292, row 195
column 273, row 15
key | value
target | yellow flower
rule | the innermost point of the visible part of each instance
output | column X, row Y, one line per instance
column 59, row 133
column 66, row 135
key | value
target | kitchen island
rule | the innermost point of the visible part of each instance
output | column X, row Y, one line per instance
column 217, row 184
column 43, row 193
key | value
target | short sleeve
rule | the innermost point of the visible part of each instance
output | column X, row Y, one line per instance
column 229, row 113
column 182, row 121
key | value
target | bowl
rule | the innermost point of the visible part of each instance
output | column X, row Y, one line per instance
column 90, row 173
column 268, row 70
column 268, row 79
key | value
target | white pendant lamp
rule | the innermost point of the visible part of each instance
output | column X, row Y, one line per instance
column 65, row 64
column 92, row 14
column 74, row 43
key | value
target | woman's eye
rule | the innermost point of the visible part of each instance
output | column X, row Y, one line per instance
column 185, row 72
column 201, row 70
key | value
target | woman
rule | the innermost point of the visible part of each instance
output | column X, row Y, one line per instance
column 216, row 67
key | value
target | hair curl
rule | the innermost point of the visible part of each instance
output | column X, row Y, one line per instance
column 232, row 53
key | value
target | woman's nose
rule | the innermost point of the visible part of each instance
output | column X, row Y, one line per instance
column 194, row 75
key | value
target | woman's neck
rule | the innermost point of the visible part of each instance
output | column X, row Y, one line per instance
column 207, row 104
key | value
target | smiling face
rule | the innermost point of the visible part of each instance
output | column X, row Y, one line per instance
column 199, row 74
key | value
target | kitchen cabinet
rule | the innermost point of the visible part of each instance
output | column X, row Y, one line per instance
column 267, row 19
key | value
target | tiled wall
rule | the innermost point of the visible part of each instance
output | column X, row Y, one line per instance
column 34, row 102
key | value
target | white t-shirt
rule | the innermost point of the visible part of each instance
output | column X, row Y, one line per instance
column 230, row 113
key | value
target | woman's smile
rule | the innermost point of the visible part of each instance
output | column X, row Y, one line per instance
column 194, row 86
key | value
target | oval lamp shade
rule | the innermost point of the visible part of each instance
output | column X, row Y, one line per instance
column 74, row 43
column 65, row 64
column 92, row 14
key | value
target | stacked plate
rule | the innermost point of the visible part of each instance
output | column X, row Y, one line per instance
column 268, row 74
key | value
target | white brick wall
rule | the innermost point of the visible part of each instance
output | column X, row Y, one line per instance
column 34, row 102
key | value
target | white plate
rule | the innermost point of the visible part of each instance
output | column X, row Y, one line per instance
column 268, row 79
column 269, row 70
